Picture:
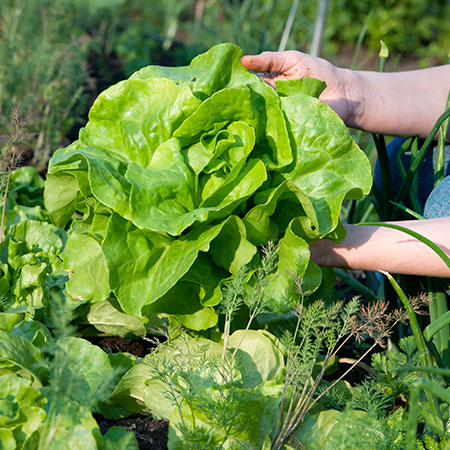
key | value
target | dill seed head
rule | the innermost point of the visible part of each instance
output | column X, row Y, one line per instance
column 13, row 144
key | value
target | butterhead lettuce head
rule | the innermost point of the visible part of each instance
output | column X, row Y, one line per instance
column 181, row 175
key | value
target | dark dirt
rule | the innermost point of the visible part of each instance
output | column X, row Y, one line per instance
column 113, row 344
column 150, row 433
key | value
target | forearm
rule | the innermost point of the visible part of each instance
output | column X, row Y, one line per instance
column 401, row 103
column 379, row 248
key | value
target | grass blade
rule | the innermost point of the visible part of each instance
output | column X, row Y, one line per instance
column 439, row 169
column 433, row 370
column 425, row 355
column 413, row 418
column 436, row 325
column 386, row 180
column 414, row 214
column 415, row 327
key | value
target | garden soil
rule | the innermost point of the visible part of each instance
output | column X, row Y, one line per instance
column 150, row 433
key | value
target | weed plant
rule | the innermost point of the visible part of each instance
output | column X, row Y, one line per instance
column 12, row 148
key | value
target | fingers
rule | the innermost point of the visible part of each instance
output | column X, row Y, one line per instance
column 265, row 62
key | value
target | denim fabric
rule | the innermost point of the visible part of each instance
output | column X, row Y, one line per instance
column 438, row 203
column 436, row 200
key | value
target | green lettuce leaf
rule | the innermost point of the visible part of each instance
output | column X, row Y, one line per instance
column 326, row 159
column 22, row 410
column 30, row 265
column 190, row 170
column 18, row 354
column 88, row 275
column 107, row 319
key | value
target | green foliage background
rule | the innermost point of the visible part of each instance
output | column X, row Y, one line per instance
column 58, row 55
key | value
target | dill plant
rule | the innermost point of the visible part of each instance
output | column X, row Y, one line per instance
column 62, row 383
column 72, row 396
column 235, row 293
column 232, row 300
column 322, row 331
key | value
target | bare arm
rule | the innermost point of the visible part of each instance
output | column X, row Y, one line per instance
column 379, row 248
column 400, row 104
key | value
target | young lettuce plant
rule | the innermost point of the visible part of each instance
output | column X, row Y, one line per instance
column 30, row 254
column 231, row 405
column 51, row 386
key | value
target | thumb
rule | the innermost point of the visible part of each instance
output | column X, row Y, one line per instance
column 264, row 62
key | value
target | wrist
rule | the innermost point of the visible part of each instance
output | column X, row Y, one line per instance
column 344, row 254
column 323, row 252
column 354, row 91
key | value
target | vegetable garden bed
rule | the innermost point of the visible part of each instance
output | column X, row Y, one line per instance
column 166, row 269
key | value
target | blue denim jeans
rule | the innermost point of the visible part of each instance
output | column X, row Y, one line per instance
column 434, row 200
column 438, row 203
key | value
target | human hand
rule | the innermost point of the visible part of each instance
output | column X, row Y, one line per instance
column 273, row 66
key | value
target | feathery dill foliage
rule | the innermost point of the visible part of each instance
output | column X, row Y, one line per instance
column 365, row 423
column 12, row 148
column 202, row 438
column 387, row 364
column 199, row 437
column 257, row 300
column 236, row 293
column 62, row 382
column 321, row 332
column 334, row 398
column 370, row 396
column 369, row 430
column 233, row 294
